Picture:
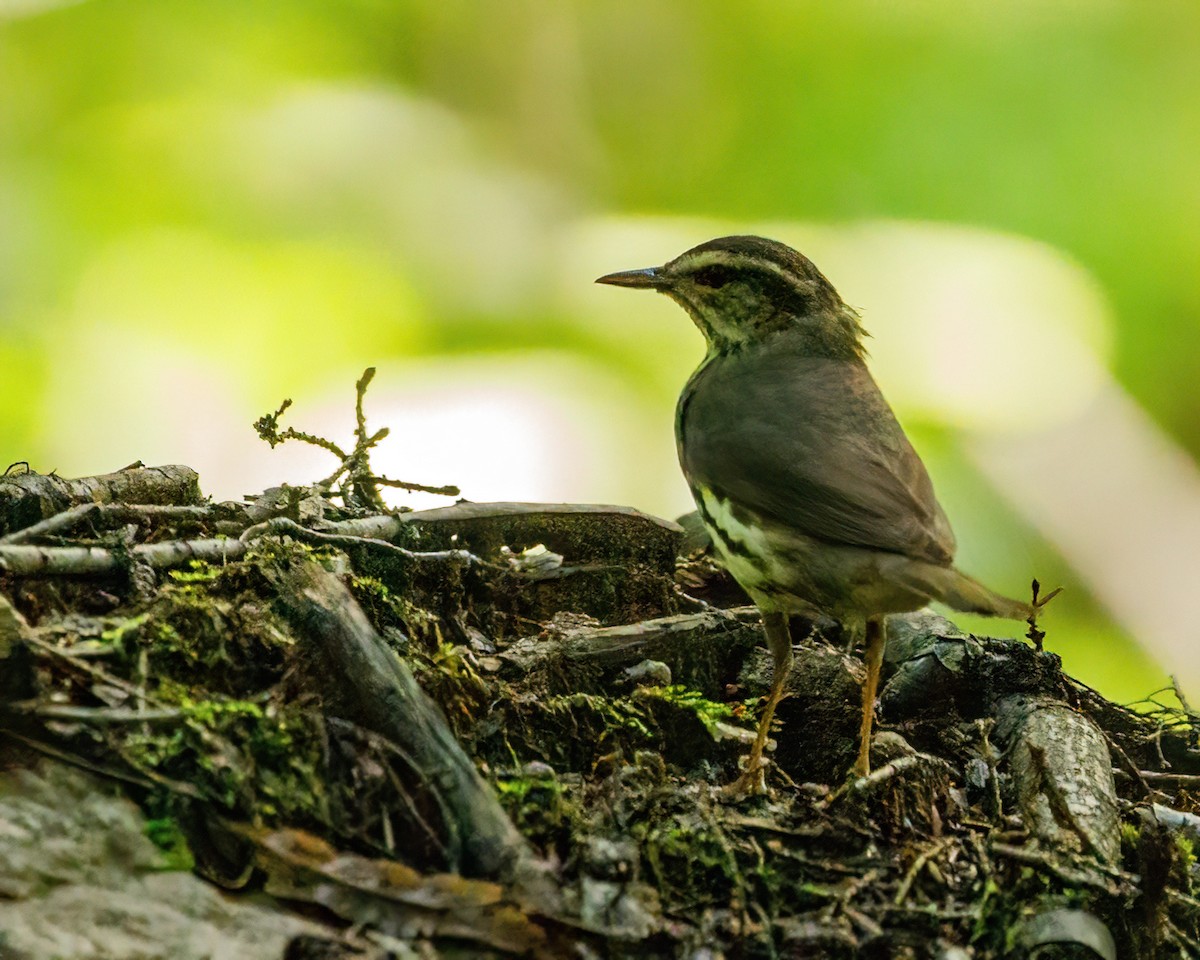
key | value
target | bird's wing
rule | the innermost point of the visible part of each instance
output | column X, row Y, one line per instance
column 810, row 443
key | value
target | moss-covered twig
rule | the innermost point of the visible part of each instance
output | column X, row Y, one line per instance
column 356, row 484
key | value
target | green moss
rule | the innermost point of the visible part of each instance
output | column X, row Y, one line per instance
column 540, row 808
column 120, row 636
column 709, row 712
column 692, row 860
column 1131, row 835
column 616, row 714
column 448, row 675
column 1186, row 848
column 166, row 834
column 1185, row 858
column 259, row 760
column 198, row 571
column 570, row 732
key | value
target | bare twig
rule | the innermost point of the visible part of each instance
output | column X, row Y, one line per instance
column 1036, row 635
column 267, row 427
column 451, row 848
column 360, row 389
column 99, row 716
column 99, row 673
column 995, row 801
column 277, row 526
column 1183, row 700
column 1179, row 779
column 144, row 778
column 1128, row 767
column 881, row 775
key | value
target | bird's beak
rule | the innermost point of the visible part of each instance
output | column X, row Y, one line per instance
column 651, row 278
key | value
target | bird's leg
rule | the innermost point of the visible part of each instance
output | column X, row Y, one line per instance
column 876, row 638
column 779, row 640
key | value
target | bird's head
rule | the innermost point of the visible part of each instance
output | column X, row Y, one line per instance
column 741, row 290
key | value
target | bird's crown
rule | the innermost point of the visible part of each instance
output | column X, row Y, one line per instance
column 743, row 289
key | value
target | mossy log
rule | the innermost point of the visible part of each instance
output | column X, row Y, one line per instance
column 513, row 690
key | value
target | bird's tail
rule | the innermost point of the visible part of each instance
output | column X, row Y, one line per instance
column 970, row 596
column 955, row 589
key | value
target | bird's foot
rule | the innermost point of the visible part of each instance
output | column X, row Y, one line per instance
column 751, row 783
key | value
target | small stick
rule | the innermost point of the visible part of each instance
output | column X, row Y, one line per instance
column 1035, row 635
column 1181, row 779
column 1129, row 767
column 146, row 778
column 111, row 679
column 96, row 715
column 917, row 866
column 1036, row 858
column 449, row 490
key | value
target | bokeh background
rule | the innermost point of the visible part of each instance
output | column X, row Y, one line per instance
column 208, row 207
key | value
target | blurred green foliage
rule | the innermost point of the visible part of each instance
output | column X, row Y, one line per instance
column 160, row 176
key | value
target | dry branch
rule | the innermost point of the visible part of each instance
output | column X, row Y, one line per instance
column 26, row 499
column 25, row 560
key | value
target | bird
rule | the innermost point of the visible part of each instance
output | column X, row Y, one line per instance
column 815, row 500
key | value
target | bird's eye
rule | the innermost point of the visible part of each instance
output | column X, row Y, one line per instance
column 715, row 276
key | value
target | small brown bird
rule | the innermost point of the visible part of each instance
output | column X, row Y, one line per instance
column 815, row 499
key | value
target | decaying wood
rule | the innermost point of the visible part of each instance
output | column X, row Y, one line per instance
column 333, row 536
column 1058, row 758
column 1062, row 769
column 1187, row 824
column 696, row 648
column 61, row 523
column 1068, row 930
column 585, row 531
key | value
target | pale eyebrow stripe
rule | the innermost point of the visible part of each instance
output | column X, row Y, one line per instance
column 723, row 258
